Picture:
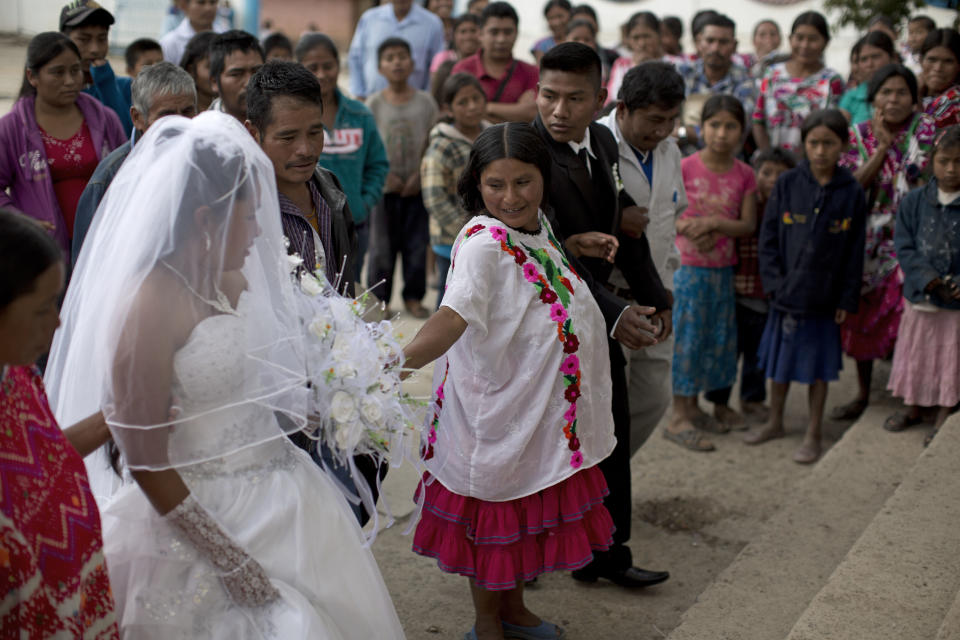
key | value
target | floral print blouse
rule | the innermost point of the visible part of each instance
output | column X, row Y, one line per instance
column 784, row 101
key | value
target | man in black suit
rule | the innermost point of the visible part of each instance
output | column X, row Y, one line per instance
column 586, row 195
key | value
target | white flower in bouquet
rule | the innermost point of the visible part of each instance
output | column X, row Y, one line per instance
column 342, row 346
column 294, row 261
column 310, row 284
column 320, row 327
column 344, row 370
column 371, row 409
column 348, row 435
column 343, row 408
column 388, row 384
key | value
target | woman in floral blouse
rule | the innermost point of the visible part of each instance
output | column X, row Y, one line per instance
column 940, row 76
column 790, row 90
column 888, row 155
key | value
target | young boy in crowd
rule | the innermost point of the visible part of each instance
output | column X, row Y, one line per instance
column 140, row 53
column 752, row 307
column 400, row 223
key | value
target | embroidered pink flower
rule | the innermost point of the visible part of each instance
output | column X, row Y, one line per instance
column 571, row 413
column 557, row 312
column 574, row 443
column 519, row 255
column 440, row 395
column 572, row 392
column 498, row 233
column 548, row 296
column 432, row 436
column 530, row 272
column 472, row 230
column 576, row 460
column 570, row 365
column 572, row 344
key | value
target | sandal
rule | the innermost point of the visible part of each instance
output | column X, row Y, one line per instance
column 901, row 420
column 691, row 439
column 930, row 437
column 850, row 411
column 543, row 631
column 708, row 423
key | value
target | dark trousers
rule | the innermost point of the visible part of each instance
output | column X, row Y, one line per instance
column 753, row 384
column 399, row 226
column 443, row 265
column 616, row 470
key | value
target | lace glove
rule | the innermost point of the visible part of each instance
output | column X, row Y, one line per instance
column 242, row 576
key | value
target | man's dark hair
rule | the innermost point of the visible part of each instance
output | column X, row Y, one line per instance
column 699, row 20
column 499, row 10
column 718, row 20
column 197, row 49
column 276, row 41
column 926, row 21
column 573, row 57
column 137, row 48
column 652, row 83
column 277, row 79
column 775, row 155
column 393, row 43
column 224, row 44
column 674, row 25
column 516, row 140
column 892, row 70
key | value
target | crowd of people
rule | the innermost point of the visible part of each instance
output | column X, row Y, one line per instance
column 611, row 231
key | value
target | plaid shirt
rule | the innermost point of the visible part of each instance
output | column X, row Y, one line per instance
column 299, row 230
column 737, row 83
column 444, row 160
column 746, row 279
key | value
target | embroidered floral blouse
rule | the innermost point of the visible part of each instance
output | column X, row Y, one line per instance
column 522, row 400
column 784, row 101
column 906, row 161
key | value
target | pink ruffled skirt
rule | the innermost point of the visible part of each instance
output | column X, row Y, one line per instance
column 501, row 544
column 926, row 361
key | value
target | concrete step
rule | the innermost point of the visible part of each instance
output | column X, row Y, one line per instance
column 763, row 592
column 903, row 574
column 950, row 628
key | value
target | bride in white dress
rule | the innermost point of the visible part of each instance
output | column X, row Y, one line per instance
column 181, row 323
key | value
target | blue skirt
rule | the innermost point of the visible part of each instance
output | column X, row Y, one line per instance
column 705, row 322
column 803, row 350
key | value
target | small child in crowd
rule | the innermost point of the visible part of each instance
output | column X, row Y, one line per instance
column 140, row 53
column 277, row 46
column 399, row 224
column 918, row 28
column 463, row 103
column 722, row 195
column 926, row 360
column 811, row 262
column 752, row 305
column 522, row 411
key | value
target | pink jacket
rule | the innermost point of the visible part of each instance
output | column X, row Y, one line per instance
column 23, row 161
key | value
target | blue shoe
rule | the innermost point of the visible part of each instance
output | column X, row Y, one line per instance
column 543, row 631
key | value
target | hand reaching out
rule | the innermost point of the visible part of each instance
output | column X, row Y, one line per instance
column 633, row 330
column 634, row 221
column 593, row 244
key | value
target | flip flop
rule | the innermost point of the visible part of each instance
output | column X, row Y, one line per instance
column 710, row 424
column 849, row 411
column 691, row 439
column 900, row 421
column 543, row 631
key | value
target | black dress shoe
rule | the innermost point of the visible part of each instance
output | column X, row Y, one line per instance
column 632, row 577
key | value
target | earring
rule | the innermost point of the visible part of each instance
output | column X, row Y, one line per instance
column 206, row 239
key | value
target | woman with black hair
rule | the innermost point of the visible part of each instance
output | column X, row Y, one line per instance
column 873, row 51
column 521, row 411
column 940, row 76
column 791, row 90
column 55, row 581
column 53, row 138
column 888, row 154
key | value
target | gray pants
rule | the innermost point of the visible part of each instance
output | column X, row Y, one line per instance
column 648, row 382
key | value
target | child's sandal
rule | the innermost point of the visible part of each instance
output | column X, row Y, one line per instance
column 543, row 631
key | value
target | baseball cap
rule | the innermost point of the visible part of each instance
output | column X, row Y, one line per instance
column 79, row 12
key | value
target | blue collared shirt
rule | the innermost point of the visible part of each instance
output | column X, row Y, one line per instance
column 422, row 29
column 737, row 83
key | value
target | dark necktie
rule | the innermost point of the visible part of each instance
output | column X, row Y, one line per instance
column 585, row 159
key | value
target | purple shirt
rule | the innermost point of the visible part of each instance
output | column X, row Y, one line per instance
column 525, row 78
column 299, row 230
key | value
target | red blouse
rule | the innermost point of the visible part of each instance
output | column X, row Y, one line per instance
column 52, row 571
column 72, row 162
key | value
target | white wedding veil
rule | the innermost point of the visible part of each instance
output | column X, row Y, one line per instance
column 189, row 231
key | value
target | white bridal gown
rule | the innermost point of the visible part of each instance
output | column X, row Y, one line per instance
column 272, row 500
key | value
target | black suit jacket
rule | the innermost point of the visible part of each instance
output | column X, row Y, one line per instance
column 578, row 203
